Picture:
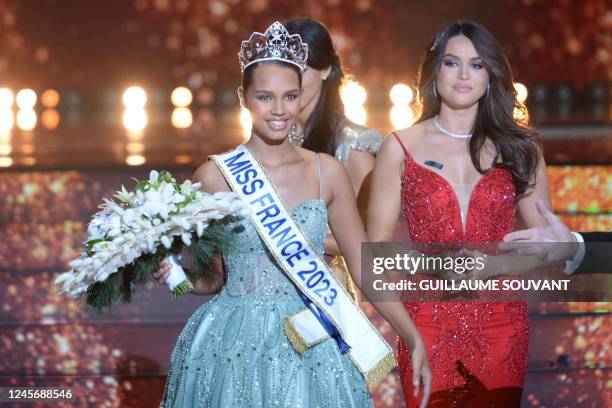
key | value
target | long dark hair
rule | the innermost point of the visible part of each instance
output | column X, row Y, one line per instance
column 328, row 114
column 516, row 144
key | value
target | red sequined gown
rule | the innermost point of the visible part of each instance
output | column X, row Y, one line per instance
column 477, row 350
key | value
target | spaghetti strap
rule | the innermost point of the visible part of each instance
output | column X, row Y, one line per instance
column 319, row 175
column 401, row 144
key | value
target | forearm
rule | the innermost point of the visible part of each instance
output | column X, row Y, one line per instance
column 212, row 280
column 203, row 287
column 331, row 246
column 395, row 313
column 512, row 265
column 391, row 309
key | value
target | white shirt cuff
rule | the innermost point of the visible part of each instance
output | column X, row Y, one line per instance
column 573, row 264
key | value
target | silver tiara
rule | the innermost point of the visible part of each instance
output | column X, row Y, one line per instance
column 275, row 44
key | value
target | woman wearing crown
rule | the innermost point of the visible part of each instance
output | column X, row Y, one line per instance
column 282, row 331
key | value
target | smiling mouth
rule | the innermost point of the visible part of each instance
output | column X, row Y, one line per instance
column 277, row 124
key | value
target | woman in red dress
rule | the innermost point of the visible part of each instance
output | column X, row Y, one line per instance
column 459, row 175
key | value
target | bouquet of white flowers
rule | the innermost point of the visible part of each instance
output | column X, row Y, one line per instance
column 127, row 239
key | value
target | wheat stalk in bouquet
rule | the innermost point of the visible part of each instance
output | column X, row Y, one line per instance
column 128, row 238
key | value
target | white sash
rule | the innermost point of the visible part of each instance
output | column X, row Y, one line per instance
column 304, row 267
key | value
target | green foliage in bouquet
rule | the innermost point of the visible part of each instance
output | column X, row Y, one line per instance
column 120, row 287
column 129, row 238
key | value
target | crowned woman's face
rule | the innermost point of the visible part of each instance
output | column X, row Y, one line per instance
column 273, row 99
column 462, row 79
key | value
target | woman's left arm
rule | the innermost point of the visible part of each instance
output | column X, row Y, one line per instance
column 349, row 232
column 540, row 191
column 359, row 166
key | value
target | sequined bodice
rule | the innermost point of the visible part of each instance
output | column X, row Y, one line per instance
column 249, row 265
column 433, row 213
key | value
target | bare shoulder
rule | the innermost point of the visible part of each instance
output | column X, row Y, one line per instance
column 211, row 178
column 413, row 135
column 391, row 150
column 305, row 154
column 326, row 161
column 330, row 166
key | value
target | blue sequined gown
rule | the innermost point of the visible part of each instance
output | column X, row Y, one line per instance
column 233, row 352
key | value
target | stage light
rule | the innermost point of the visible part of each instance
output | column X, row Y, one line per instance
column 182, row 118
column 134, row 97
column 6, row 98
column 353, row 94
column 26, row 99
column 26, row 149
column 135, row 119
column 181, row 97
column 521, row 92
column 5, row 149
column 50, row 98
column 182, row 159
column 26, row 119
column 6, row 162
column 206, row 96
column 357, row 114
column 135, row 160
column 28, row 161
column 6, row 120
column 521, row 116
column 50, row 119
column 353, row 97
column 401, row 116
column 246, row 122
column 401, row 94
column 135, row 147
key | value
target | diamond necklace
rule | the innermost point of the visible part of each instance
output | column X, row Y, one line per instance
column 448, row 132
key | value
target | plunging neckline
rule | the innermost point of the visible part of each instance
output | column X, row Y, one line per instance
column 464, row 225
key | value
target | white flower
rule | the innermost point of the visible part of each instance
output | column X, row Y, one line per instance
column 160, row 202
column 153, row 176
column 199, row 228
column 130, row 216
column 66, row 278
column 115, row 226
column 138, row 199
column 98, row 227
column 123, row 195
column 181, row 222
column 166, row 241
column 187, row 187
column 150, row 244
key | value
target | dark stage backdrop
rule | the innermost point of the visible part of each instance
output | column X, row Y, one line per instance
column 98, row 44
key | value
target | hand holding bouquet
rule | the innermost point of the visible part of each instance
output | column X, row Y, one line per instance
column 127, row 239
